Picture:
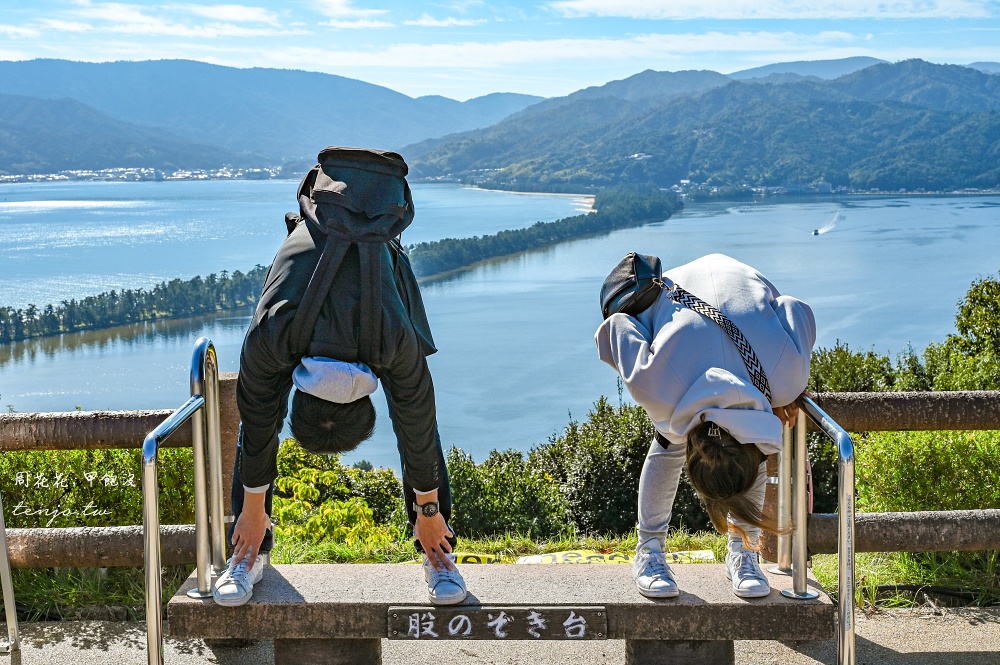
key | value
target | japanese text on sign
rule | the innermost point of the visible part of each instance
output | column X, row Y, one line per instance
column 498, row 623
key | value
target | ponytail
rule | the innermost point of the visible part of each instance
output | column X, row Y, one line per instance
column 722, row 470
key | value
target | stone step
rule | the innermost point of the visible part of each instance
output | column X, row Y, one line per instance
column 351, row 601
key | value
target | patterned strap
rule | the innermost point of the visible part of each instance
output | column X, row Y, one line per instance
column 750, row 359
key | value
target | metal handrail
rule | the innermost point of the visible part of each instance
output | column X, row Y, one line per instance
column 799, row 516
column 845, row 530
column 784, row 511
column 13, row 641
column 209, row 528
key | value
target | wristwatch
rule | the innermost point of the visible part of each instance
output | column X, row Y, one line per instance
column 429, row 509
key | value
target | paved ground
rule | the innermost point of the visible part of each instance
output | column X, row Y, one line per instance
column 895, row 637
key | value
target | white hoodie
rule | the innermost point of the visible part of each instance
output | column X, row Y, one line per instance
column 682, row 368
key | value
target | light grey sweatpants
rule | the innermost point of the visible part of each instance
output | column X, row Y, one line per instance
column 661, row 473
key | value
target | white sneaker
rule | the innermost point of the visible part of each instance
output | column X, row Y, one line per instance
column 743, row 569
column 651, row 573
column 444, row 587
column 235, row 586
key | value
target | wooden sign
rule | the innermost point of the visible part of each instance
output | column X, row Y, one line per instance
column 477, row 622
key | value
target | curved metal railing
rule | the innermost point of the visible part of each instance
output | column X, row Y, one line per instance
column 845, row 526
column 793, row 511
column 202, row 409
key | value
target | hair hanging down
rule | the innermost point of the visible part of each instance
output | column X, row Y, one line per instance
column 722, row 470
column 329, row 428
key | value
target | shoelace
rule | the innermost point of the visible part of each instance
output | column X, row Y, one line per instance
column 446, row 576
column 657, row 565
column 239, row 573
column 748, row 566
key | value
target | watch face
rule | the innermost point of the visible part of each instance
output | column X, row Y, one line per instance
column 429, row 509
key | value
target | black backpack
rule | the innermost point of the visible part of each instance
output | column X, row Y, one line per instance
column 357, row 197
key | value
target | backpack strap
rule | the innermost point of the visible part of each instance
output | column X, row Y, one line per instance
column 371, row 301
column 332, row 255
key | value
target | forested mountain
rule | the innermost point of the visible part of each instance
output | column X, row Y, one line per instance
column 938, row 87
column 911, row 124
column 549, row 123
column 49, row 135
column 285, row 114
column 648, row 87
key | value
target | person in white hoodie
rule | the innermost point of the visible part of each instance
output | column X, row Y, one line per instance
column 689, row 376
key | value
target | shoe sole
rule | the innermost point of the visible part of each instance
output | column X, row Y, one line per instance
column 748, row 594
column 673, row 593
column 666, row 593
column 231, row 603
column 752, row 594
column 455, row 600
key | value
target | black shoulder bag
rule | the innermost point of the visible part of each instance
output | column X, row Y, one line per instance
column 634, row 285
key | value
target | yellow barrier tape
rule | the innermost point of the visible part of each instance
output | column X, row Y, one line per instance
column 467, row 557
column 590, row 556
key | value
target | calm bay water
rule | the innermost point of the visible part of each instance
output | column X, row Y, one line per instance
column 516, row 336
column 64, row 240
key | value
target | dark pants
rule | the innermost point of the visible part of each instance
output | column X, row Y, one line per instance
column 409, row 496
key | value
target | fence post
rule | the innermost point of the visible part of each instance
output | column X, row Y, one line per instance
column 784, row 511
column 800, row 510
column 13, row 639
column 204, row 395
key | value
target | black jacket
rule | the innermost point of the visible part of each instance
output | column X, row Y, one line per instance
column 270, row 350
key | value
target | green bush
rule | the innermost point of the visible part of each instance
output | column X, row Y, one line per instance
column 597, row 465
column 506, row 493
column 330, row 480
column 924, row 471
column 916, row 471
column 953, row 369
column 73, row 488
column 842, row 370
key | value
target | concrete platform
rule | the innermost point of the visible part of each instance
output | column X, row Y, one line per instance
column 351, row 601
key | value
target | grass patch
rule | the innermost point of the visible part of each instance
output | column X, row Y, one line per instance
column 58, row 593
column 904, row 579
column 509, row 547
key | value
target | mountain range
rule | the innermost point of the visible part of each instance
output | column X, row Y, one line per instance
column 908, row 125
column 858, row 122
column 252, row 115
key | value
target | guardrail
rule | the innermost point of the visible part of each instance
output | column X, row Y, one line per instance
column 793, row 516
column 7, row 584
column 202, row 409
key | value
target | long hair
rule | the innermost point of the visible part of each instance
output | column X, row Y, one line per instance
column 329, row 428
column 722, row 471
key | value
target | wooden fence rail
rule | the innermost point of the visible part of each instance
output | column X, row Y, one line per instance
column 856, row 412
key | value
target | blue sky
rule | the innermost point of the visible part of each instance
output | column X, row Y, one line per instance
column 467, row 48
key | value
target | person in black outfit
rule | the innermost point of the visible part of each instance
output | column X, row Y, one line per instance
column 328, row 342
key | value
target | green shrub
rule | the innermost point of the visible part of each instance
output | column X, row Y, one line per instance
column 916, row 471
column 597, row 465
column 952, row 369
column 924, row 471
column 73, row 488
column 330, row 480
column 506, row 493
column 842, row 370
